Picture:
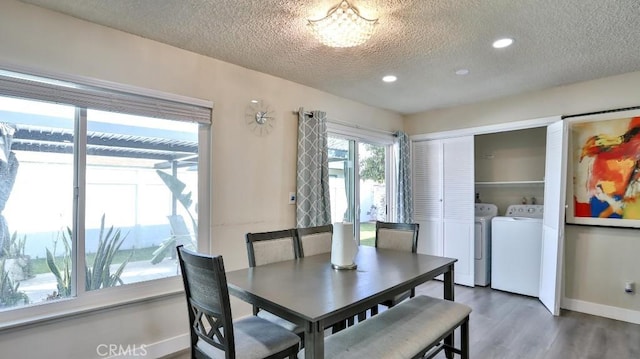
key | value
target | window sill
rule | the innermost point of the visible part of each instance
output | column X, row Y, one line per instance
column 90, row 302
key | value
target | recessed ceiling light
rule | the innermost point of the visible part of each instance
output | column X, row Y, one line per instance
column 462, row 72
column 389, row 78
column 502, row 43
column 254, row 101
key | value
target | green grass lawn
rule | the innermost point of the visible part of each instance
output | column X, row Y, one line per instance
column 367, row 233
column 39, row 265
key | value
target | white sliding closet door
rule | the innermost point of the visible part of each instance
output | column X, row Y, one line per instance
column 458, row 221
column 443, row 190
column 427, row 195
column 553, row 219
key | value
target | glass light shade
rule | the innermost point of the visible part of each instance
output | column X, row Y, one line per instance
column 343, row 27
column 502, row 43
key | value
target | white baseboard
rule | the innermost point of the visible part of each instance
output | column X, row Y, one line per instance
column 161, row 349
column 169, row 346
column 625, row 315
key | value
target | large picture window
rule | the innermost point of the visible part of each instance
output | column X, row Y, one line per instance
column 97, row 187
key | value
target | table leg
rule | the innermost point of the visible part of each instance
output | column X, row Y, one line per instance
column 449, row 295
column 314, row 340
column 448, row 284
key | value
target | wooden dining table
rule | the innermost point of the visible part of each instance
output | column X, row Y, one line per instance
column 310, row 293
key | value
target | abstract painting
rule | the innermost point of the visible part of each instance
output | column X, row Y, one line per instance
column 605, row 168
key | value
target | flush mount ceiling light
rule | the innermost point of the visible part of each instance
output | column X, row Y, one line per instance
column 343, row 27
column 502, row 43
column 389, row 78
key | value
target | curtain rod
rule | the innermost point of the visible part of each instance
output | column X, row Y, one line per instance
column 349, row 124
column 306, row 113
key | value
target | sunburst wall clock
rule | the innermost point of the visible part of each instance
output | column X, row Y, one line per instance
column 260, row 117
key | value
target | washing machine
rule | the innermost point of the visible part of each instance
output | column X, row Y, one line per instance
column 484, row 212
column 516, row 250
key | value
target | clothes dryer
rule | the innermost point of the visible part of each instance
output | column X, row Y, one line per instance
column 516, row 251
column 484, row 212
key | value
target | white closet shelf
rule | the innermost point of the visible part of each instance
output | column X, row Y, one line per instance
column 510, row 183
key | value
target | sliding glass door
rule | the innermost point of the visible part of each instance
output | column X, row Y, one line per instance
column 358, row 184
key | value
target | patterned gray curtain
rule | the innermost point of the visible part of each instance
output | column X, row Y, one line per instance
column 404, row 196
column 312, row 182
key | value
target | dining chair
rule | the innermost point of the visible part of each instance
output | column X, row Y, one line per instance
column 270, row 247
column 401, row 237
column 315, row 240
column 213, row 332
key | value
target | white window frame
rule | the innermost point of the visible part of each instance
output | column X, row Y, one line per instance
column 91, row 301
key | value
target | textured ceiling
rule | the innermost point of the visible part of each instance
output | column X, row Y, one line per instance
column 422, row 42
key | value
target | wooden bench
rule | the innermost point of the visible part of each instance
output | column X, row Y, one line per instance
column 411, row 329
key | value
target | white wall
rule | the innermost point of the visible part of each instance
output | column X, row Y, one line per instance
column 597, row 260
column 603, row 94
column 251, row 175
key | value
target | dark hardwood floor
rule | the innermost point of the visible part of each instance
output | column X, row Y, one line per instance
column 506, row 325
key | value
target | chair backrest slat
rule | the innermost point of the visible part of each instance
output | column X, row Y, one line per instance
column 315, row 240
column 270, row 247
column 397, row 236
